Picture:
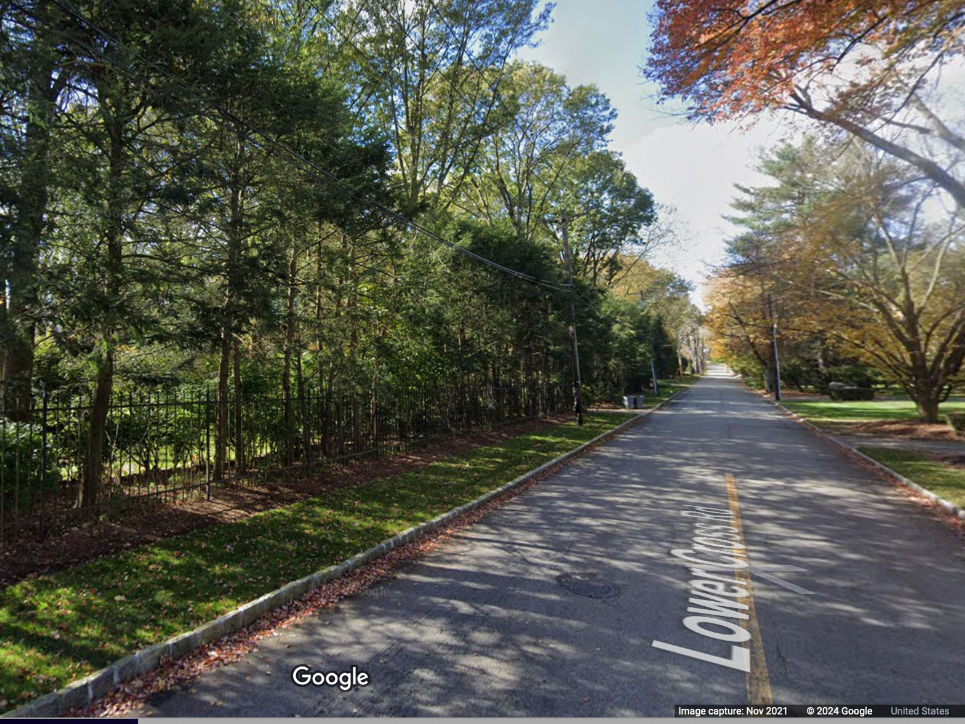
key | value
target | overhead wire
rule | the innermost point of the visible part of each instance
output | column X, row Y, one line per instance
column 266, row 142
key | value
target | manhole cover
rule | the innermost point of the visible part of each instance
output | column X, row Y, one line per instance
column 588, row 584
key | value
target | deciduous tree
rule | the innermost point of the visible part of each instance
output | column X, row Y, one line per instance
column 866, row 68
column 856, row 248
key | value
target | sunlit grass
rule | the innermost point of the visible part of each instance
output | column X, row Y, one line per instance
column 667, row 388
column 863, row 411
column 60, row 627
column 944, row 480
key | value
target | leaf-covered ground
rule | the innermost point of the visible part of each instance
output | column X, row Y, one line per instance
column 27, row 552
column 59, row 627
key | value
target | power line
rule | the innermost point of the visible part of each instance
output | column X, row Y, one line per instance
column 266, row 142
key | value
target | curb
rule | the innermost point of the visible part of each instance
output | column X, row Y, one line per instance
column 898, row 477
column 83, row 692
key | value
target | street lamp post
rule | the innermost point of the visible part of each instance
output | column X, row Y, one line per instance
column 777, row 360
column 653, row 355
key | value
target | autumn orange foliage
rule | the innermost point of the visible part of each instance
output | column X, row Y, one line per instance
column 728, row 58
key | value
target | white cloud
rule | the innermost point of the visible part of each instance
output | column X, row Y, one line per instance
column 695, row 168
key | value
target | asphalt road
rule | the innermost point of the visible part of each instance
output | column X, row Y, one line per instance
column 483, row 626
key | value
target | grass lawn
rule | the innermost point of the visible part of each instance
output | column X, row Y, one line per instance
column 59, row 627
column 668, row 387
column 940, row 478
column 864, row 411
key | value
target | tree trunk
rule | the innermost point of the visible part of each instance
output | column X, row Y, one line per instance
column 221, row 421
column 769, row 377
column 17, row 328
column 89, row 489
column 235, row 286
column 927, row 403
column 286, row 393
column 18, row 359
column 113, row 287
column 286, row 377
column 304, row 406
column 327, row 446
column 374, row 399
column 241, row 463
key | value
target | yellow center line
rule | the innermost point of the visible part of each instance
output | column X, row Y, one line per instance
column 758, row 682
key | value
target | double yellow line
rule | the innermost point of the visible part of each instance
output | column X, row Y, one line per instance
column 757, row 680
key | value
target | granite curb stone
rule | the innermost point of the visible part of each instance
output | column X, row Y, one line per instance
column 83, row 692
column 937, row 499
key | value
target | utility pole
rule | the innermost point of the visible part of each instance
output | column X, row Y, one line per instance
column 577, row 384
column 653, row 354
column 777, row 361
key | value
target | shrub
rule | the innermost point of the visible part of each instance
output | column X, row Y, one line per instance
column 800, row 374
column 849, row 393
column 156, row 433
column 26, row 473
column 754, row 381
column 853, row 375
column 956, row 421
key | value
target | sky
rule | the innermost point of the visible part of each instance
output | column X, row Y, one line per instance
column 692, row 167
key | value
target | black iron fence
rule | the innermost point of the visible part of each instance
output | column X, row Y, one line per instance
column 161, row 446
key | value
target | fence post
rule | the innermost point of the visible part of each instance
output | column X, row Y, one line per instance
column 43, row 468
column 376, row 427
column 207, row 440
column 3, row 475
column 140, row 475
column 306, row 407
column 356, row 424
column 425, row 412
column 17, row 466
column 341, row 424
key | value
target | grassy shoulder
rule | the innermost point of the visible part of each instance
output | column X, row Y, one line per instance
column 943, row 479
column 827, row 411
column 60, row 627
column 672, row 386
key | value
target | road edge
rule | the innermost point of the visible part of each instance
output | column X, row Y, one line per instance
column 948, row 506
column 85, row 691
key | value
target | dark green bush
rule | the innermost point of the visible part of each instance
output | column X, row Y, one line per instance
column 849, row 393
column 800, row 374
column 26, row 473
column 853, row 376
column 156, row 433
column 956, row 421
